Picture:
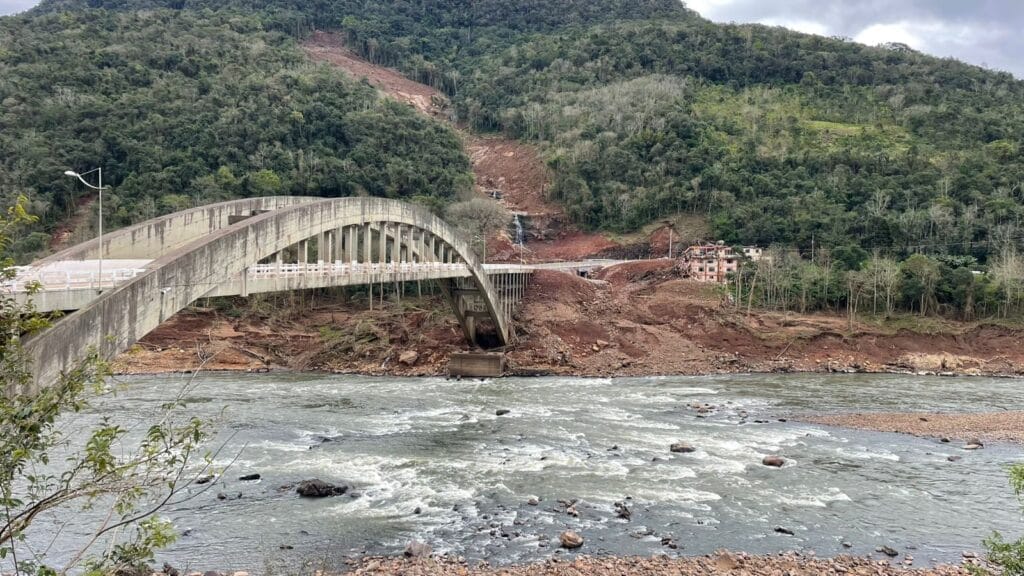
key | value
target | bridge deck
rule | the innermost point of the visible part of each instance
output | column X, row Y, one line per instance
column 71, row 284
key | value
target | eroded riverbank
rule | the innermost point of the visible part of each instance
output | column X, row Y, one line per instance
column 637, row 319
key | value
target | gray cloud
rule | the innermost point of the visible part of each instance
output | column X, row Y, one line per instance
column 15, row 6
column 981, row 32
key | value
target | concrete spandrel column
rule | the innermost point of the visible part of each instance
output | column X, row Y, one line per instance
column 303, row 251
column 352, row 253
column 339, row 245
column 433, row 248
column 396, row 244
column 383, row 242
column 367, row 244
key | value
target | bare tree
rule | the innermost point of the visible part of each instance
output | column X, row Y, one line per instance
column 479, row 218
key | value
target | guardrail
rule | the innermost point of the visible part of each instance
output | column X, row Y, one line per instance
column 269, row 271
column 54, row 280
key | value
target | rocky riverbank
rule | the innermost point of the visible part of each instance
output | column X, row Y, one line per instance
column 721, row 563
column 968, row 429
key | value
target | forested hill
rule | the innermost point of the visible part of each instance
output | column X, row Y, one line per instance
column 645, row 110
column 183, row 108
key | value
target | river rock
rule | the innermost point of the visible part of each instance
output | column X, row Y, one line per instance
column 773, row 461
column 682, row 448
column 317, row 488
column 887, row 551
column 623, row 511
column 249, row 477
column 170, row 570
column 974, row 444
column 570, row 540
column 501, row 412
column 409, row 357
column 533, row 502
column 416, row 549
column 781, row 530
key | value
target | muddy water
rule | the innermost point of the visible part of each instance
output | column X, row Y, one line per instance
column 438, row 446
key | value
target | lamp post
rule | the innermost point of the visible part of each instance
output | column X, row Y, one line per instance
column 100, row 189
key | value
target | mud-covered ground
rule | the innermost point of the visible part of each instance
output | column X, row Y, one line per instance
column 633, row 319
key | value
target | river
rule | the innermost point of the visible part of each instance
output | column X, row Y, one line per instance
column 438, row 446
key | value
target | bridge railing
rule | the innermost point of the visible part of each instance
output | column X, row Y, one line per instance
column 338, row 268
column 54, row 280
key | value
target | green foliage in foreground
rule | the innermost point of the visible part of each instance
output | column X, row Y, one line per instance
column 1007, row 557
column 51, row 469
column 185, row 108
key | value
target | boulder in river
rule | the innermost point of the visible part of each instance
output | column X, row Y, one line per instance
column 682, row 448
column 570, row 540
column 888, row 551
column 417, row 549
column 773, row 461
column 974, row 444
column 249, row 477
column 317, row 488
column 501, row 412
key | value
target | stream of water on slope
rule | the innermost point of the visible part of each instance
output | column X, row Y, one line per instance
column 437, row 445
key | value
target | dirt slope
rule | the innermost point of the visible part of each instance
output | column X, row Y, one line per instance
column 503, row 167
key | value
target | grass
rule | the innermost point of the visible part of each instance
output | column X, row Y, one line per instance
column 932, row 325
column 689, row 228
column 836, row 127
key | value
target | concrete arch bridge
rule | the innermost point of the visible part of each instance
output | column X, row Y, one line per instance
column 154, row 269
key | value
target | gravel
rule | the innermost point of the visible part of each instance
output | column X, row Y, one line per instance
column 720, row 563
column 990, row 426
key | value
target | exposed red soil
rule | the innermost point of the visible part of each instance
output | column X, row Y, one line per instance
column 330, row 335
column 635, row 319
column 330, row 48
column 503, row 168
column 642, row 318
column 61, row 237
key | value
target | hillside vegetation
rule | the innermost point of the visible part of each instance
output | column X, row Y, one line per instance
column 186, row 108
column 645, row 110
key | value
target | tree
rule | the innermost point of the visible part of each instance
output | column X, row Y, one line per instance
column 44, row 469
column 479, row 218
column 1008, row 557
column 920, row 277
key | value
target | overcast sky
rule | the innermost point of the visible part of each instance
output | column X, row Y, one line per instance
column 983, row 32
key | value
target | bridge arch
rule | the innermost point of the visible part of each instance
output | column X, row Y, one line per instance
column 118, row 318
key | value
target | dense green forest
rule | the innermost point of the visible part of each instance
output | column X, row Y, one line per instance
column 776, row 136
column 185, row 108
column 645, row 110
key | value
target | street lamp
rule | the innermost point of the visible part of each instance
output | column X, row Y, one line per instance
column 100, row 189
